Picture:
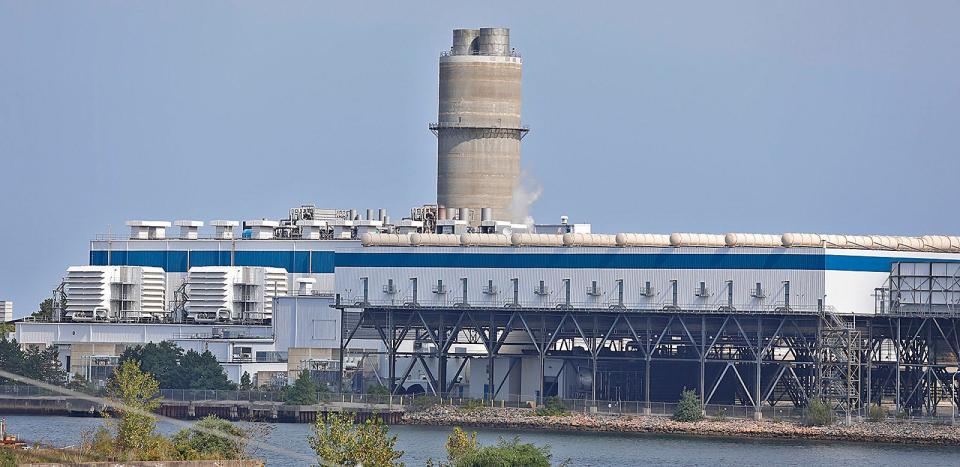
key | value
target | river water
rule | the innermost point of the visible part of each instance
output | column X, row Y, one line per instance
column 582, row 449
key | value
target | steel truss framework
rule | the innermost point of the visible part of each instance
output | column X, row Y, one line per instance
column 730, row 357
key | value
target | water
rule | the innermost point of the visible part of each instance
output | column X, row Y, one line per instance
column 583, row 449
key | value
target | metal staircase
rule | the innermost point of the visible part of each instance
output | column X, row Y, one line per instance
column 839, row 349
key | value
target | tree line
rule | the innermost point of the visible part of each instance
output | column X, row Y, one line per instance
column 172, row 367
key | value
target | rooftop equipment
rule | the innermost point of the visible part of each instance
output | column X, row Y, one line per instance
column 430, row 239
column 697, row 239
column 112, row 293
column 342, row 229
column 483, row 239
column 596, row 240
column 409, row 226
column 233, row 293
column 531, row 239
column 385, row 239
column 941, row 243
column 189, row 230
column 642, row 239
column 224, row 229
column 311, row 229
column 261, row 229
column 753, row 240
column 148, row 230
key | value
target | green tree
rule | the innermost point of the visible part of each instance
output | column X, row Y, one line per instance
column 688, row 408
column 194, row 444
column 245, row 383
column 45, row 313
column 11, row 357
column 44, row 364
column 136, row 393
column 303, row 391
column 338, row 441
column 40, row 363
column 175, row 369
column 203, row 371
column 160, row 360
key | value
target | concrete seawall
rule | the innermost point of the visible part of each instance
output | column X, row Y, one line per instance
column 191, row 410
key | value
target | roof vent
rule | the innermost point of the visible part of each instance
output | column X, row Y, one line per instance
column 148, row 230
column 189, row 230
column 224, row 229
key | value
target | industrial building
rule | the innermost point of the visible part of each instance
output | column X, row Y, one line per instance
column 459, row 297
column 6, row 311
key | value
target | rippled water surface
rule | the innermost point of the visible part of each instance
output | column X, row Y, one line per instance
column 583, row 449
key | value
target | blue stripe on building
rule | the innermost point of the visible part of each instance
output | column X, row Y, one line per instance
column 180, row 261
column 327, row 261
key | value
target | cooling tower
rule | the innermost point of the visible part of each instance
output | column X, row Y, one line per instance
column 478, row 127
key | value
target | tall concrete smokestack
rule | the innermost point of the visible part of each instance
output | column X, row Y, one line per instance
column 478, row 127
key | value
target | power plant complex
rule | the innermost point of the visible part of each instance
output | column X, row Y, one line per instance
column 462, row 297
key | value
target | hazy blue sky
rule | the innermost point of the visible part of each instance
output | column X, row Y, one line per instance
column 655, row 117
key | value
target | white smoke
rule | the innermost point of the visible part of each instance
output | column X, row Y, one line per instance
column 525, row 193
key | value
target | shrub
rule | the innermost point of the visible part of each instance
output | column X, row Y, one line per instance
column 7, row 458
column 505, row 453
column 877, row 413
column 460, row 444
column 423, row 402
column 338, row 441
column 378, row 389
column 819, row 413
column 194, row 444
column 688, row 408
column 552, row 407
column 473, row 405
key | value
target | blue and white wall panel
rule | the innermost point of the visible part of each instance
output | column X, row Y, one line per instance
column 771, row 267
column 300, row 258
column 852, row 276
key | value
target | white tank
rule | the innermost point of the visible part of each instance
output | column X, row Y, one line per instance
column 910, row 243
column 801, row 240
column 432, row 239
column 756, row 240
column 642, row 239
column 384, row 239
column 697, row 239
column 532, row 239
column 476, row 239
column 860, row 242
column 581, row 239
column 941, row 243
column 836, row 241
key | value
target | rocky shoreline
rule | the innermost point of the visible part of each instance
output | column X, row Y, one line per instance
column 524, row 419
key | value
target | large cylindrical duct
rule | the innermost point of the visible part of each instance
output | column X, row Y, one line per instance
column 478, row 126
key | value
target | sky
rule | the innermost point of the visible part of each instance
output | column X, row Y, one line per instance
column 765, row 116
